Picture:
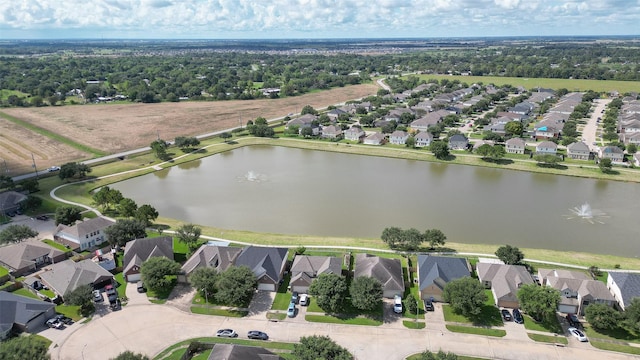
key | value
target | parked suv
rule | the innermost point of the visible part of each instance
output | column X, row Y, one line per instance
column 517, row 316
column 397, row 304
column 573, row 320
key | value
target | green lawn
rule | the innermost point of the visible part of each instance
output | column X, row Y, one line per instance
column 350, row 320
column 615, row 347
column 476, row 330
column 3, row 271
column 548, row 338
column 161, row 296
column 622, row 334
column 282, row 300
column 70, row 311
column 27, row 293
column 55, row 245
column 413, row 324
column 178, row 347
column 122, row 285
column 218, row 312
column 48, row 293
column 552, row 327
column 460, row 357
column 276, row 316
column 489, row 316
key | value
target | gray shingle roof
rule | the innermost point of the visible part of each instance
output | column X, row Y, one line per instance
column 263, row 261
column 387, row 271
column 82, row 228
column 68, row 275
column 140, row 250
column 16, row 309
column 22, row 255
column 208, row 255
column 505, row 279
column 306, row 268
column 629, row 285
column 439, row 270
column 9, row 199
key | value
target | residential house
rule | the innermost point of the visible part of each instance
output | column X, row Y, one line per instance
column 611, row 152
column 217, row 257
column 332, row 132
column 523, row 108
column 631, row 138
column 26, row 257
column 267, row 264
column 546, row 132
column 375, row 139
column 306, row 120
column 512, row 116
column 387, row 271
column 434, row 272
column 504, row 282
column 636, row 159
column 138, row 251
column 241, row 352
column 68, row 275
column 515, row 146
column 335, row 114
column 398, row 137
column 354, row 133
column 396, row 114
column 24, row 314
column 624, row 287
column 423, row 139
column 578, row 151
column 458, row 142
column 305, row 269
column 10, row 201
column 431, row 119
column 479, row 143
column 546, row 148
column 577, row 290
column 497, row 125
column 83, row 234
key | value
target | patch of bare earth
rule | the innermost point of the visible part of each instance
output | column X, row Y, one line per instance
column 17, row 144
column 125, row 126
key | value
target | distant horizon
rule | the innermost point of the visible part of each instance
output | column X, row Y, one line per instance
column 307, row 19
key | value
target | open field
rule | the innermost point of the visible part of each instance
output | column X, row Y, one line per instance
column 529, row 83
column 111, row 128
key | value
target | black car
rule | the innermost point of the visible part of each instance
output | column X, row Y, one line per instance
column 517, row 316
column 506, row 315
column 294, row 297
column 428, row 305
column 63, row 319
column 573, row 320
column 258, row 335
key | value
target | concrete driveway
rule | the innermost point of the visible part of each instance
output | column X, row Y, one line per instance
column 44, row 228
column 589, row 131
column 149, row 329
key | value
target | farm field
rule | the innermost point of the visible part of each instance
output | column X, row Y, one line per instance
column 529, row 83
column 116, row 127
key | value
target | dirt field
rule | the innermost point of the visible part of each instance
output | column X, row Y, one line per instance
column 124, row 126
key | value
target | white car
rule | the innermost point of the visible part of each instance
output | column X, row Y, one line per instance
column 53, row 168
column 97, row 296
column 397, row 304
column 226, row 333
column 304, row 300
column 578, row 334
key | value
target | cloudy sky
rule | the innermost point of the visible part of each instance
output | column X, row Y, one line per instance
column 243, row 19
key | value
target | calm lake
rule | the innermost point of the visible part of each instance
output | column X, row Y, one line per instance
column 293, row 191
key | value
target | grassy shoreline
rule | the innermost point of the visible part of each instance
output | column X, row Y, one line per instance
column 140, row 165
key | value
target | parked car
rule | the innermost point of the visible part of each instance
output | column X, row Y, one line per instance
column 573, row 320
column 140, row 287
column 578, row 334
column 42, row 217
column 517, row 316
column 116, row 305
column 291, row 311
column 304, row 300
column 53, row 168
column 506, row 315
column 63, row 319
column 226, row 333
column 54, row 323
column 110, row 290
column 294, row 297
column 397, row 304
column 258, row 335
column 97, row 296
column 428, row 305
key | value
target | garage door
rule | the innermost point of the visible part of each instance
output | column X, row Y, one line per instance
column 133, row 278
column 569, row 309
column 268, row 287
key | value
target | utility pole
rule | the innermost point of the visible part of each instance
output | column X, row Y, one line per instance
column 6, row 169
column 34, row 165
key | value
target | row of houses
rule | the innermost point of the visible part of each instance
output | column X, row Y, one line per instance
column 629, row 122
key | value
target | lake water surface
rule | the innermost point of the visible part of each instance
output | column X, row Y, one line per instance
column 294, row 191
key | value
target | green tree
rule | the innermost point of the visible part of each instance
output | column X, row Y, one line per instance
column 514, row 128
column 412, row 239
column 440, row 149
column 67, row 215
column 32, row 203
column 510, row 255
column 308, row 109
column 81, row 296
column 548, row 159
column 236, row 286
column 146, row 214
column 330, row 291
column 226, row 136
column 306, row 132
column 411, row 142
column 129, row 355
column 127, row 207
column 411, row 304
column 205, row 279
column 156, row 273
column 125, row 230
column 366, row 293
column 605, row 165
column 318, row 347
column 603, row 317
column 16, row 233
column 435, row 238
column 632, row 148
column 24, row 347
column 159, row 149
column 6, row 182
column 540, row 302
column 465, row 295
column 30, row 185
column 497, row 152
column 484, row 150
column 186, row 143
column 189, row 235
column 632, row 314
column 392, row 236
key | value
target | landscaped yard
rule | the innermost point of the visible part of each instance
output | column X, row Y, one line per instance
column 177, row 350
column 548, row 338
column 615, row 347
column 161, row 297
column 414, row 324
column 476, row 330
column 489, row 315
column 552, row 327
column 346, row 320
column 615, row 335
column 25, row 292
column 218, row 312
column 69, row 311
column 54, row 244
column 3, row 271
column 122, row 285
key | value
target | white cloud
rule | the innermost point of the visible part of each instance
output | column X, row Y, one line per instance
column 319, row 18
